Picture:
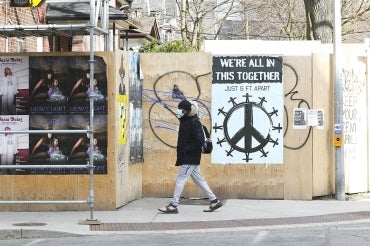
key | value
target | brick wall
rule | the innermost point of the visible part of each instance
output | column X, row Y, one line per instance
column 33, row 16
column 28, row 16
column 20, row 16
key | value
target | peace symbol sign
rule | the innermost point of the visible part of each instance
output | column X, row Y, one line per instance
column 249, row 138
column 247, row 127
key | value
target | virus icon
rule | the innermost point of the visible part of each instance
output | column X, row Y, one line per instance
column 247, row 127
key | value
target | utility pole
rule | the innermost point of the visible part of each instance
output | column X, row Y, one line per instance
column 338, row 104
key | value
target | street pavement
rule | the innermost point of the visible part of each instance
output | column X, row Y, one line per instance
column 142, row 216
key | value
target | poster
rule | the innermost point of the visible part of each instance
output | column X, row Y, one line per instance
column 300, row 118
column 14, row 148
column 53, row 93
column 135, row 102
column 122, row 119
column 14, row 85
column 247, row 109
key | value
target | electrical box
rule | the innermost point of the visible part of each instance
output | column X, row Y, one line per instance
column 337, row 140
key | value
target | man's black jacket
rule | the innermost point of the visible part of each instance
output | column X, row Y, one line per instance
column 190, row 141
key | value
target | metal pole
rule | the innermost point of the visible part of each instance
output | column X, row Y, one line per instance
column 91, row 126
column 338, row 104
column 45, row 202
column 114, row 37
column 53, row 27
column 65, row 166
column 67, row 1
column 43, row 131
column 106, row 25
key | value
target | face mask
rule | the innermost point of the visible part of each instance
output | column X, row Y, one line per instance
column 179, row 113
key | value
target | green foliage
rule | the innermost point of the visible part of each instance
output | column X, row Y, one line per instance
column 175, row 46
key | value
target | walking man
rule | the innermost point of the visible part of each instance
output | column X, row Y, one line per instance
column 189, row 142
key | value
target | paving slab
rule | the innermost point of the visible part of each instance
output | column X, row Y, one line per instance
column 142, row 216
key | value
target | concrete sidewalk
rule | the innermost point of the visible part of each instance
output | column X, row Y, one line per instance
column 142, row 216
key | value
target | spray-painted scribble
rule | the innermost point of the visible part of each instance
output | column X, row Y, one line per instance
column 353, row 94
column 171, row 87
column 168, row 90
column 293, row 95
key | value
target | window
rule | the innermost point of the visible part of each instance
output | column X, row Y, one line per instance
column 20, row 44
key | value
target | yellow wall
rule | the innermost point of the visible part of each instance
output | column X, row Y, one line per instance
column 307, row 171
column 122, row 183
column 292, row 180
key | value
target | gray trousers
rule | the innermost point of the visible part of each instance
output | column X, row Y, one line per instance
column 194, row 171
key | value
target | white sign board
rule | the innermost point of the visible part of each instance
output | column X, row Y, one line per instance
column 247, row 109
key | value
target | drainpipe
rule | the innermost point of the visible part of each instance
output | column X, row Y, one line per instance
column 6, row 23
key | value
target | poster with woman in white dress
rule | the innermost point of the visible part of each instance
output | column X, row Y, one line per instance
column 14, row 84
column 13, row 146
column 8, row 90
column 8, row 147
